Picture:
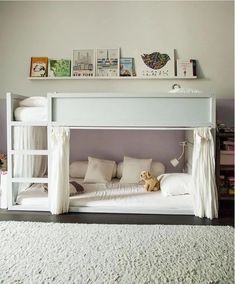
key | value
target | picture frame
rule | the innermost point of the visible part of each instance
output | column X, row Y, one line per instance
column 107, row 62
column 59, row 67
column 127, row 68
column 39, row 67
column 83, row 64
column 158, row 63
column 186, row 68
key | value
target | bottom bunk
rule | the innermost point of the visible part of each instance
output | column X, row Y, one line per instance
column 111, row 197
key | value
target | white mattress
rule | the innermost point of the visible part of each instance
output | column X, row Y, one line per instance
column 34, row 196
column 31, row 114
column 116, row 198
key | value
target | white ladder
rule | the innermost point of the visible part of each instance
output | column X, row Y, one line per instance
column 12, row 103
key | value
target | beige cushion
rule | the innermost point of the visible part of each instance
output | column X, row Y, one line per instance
column 78, row 169
column 99, row 171
column 119, row 169
column 132, row 168
column 156, row 169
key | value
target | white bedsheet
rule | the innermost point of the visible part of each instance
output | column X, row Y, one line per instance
column 114, row 197
column 34, row 196
column 31, row 114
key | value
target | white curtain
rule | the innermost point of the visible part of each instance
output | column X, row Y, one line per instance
column 59, row 174
column 203, row 171
column 29, row 138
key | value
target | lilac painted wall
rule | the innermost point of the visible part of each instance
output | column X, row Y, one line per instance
column 114, row 144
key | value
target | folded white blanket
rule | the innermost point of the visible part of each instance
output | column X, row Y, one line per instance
column 31, row 114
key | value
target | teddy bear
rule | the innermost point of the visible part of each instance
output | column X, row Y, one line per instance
column 150, row 182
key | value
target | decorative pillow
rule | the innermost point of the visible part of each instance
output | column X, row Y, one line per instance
column 75, row 188
column 132, row 168
column 99, row 171
column 156, row 169
column 119, row 169
column 175, row 184
column 78, row 169
column 34, row 102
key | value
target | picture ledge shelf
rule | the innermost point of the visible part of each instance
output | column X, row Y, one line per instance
column 112, row 78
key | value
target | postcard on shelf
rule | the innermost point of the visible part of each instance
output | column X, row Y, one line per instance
column 107, row 62
column 155, row 63
column 127, row 67
column 38, row 66
column 59, row 68
column 186, row 68
column 83, row 63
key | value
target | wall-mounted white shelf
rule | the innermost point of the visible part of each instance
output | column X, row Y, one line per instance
column 112, row 78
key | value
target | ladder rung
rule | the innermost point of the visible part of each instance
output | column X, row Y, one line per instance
column 31, row 180
column 29, row 152
column 29, row 123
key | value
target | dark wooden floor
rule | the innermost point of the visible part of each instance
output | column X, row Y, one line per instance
column 226, row 218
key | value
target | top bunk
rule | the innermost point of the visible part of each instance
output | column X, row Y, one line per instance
column 122, row 110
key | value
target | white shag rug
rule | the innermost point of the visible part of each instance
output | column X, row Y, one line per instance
column 130, row 254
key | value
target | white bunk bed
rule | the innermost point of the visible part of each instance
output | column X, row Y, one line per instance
column 109, row 111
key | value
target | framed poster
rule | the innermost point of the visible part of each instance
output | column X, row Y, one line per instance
column 38, row 66
column 83, row 63
column 127, row 67
column 155, row 63
column 59, row 68
column 186, row 68
column 107, row 62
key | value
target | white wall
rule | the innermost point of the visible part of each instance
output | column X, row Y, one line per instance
column 199, row 30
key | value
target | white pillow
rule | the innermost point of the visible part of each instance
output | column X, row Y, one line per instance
column 175, row 184
column 78, row 169
column 99, row 171
column 34, row 102
column 132, row 168
column 119, row 169
column 156, row 169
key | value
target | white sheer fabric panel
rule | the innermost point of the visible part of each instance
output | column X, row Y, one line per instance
column 59, row 182
column 203, row 171
column 29, row 138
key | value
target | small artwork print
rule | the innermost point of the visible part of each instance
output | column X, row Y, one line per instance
column 156, row 64
column 186, row 68
column 127, row 66
column 107, row 62
column 38, row 67
column 83, row 63
column 59, row 68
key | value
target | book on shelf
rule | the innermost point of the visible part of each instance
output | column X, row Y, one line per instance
column 186, row 68
column 127, row 66
column 38, row 66
column 59, row 68
column 231, row 180
column 229, row 148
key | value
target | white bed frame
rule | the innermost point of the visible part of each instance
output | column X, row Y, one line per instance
column 109, row 111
